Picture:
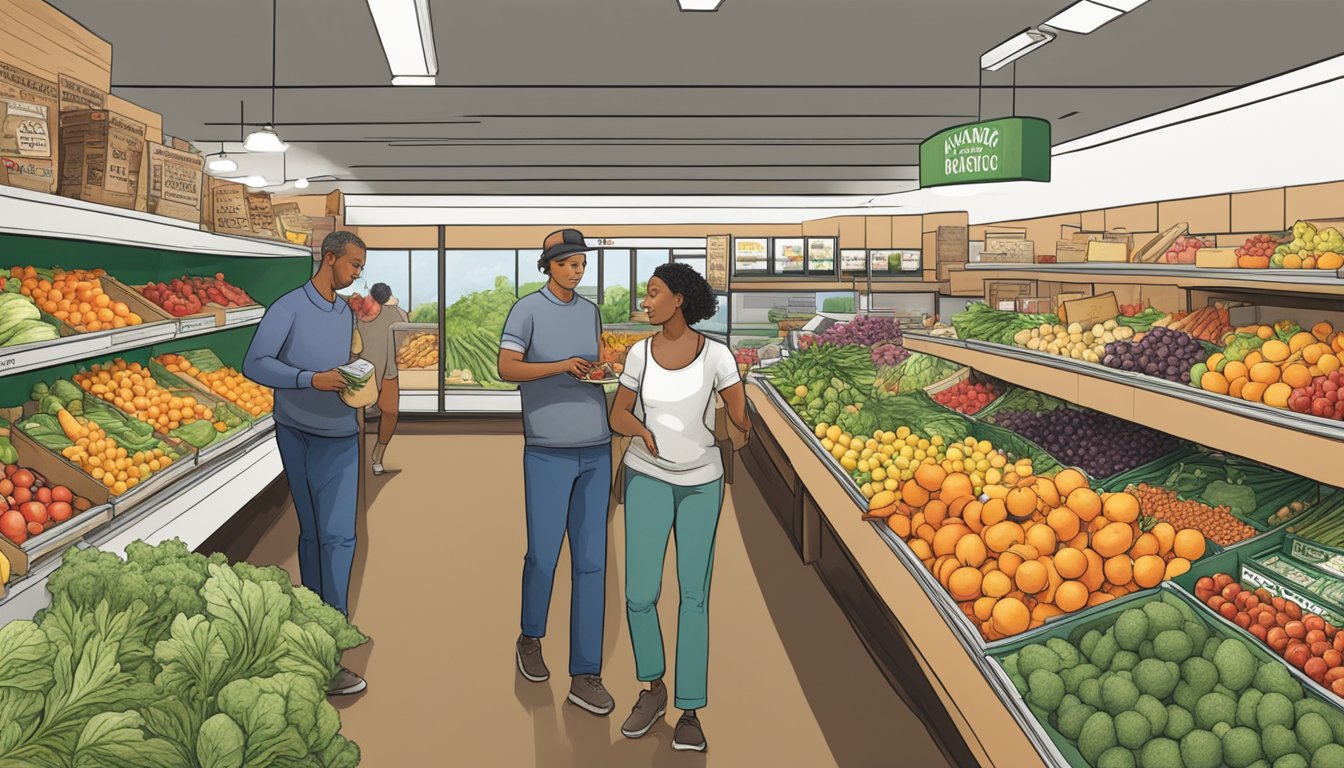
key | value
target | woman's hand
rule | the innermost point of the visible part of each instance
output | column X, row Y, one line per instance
column 650, row 443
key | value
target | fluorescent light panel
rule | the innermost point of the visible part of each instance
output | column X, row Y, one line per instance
column 413, row 80
column 699, row 5
column 1123, row 5
column 1083, row 17
column 408, row 39
column 1013, row 49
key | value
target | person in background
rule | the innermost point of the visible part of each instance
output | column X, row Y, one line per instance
column 673, row 486
column 381, row 350
column 551, row 340
column 302, row 341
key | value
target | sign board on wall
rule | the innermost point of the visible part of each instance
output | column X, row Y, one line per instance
column 1007, row 149
column 716, row 261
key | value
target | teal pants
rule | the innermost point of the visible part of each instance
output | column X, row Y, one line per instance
column 654, row 511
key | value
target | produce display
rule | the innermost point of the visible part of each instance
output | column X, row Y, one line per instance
column 1073, row 340
column 1162, row 352
column 132, row 388
column 1305, row 640
column 1138, row 318
column 1209, row 323
column 1159, row 684
column 882, row 335
column 1310, row 248
column 225, row 382
column 476, row 351
column 616, row 345
column 1184, row 249
column 746, row 358
column 21, row 321
column 1326, row 527
column 75, row 297
column 979, row 321
column 969, row 396
column 420, row 350
column 917, row 372
column 112, row 450
column 1304, row 579
column 1257, row 251
column 171, row 658
column 1101, row 444
column 1282, row 366
column 29, row 505
column 188, row 295
column 1217, row 523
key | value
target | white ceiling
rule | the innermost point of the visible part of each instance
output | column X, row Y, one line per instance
column 631, row 97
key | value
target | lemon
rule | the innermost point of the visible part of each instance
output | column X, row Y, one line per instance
column 901, row 463
column 958, row 466
column 862, row 465
column 937, row 440
column 879, row 474
column 997, row 461
column 970, row 442
column 920, row 455
column 954, row 453
column 982, row 466
column 821, row 429
column 833, row 433
column 902, row 433
column 891, row 484
column 838, row 452
column 985, row 446
column 888, row 450
column 866, row 453
column 849, row 454
column 800, row 391
column 849, row 464
column 872, row 445
column 907, row 452
column 993, row 476
column 827, row 444
column 868, row 492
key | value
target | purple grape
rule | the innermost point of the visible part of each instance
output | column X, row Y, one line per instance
column 1101, row 444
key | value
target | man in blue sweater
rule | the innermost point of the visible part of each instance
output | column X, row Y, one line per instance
column 305, row 336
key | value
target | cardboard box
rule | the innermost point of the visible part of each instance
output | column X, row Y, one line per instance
column 174, row 183
column 1003, row 294
column 225, row 210
column 1099, row 250
column 153, row 132
column 261, row 214
column 1035, row 305
column 1090, row 311
column 28, row 116
column 37, row 37
column 101, row 153
column 77, row 96
column 294, row 225
column 1070, row 252
column 1216, row 258
column 951, row 245
column 1008, row 250
column 1060, row 298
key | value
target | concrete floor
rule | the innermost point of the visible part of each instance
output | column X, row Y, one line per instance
column 436, row 585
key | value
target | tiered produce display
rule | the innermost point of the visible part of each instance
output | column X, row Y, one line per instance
column 189, row 295
column 969, row 396
column 75, row 297
column 205, row 368
column 29, row 506
column 1309, row 248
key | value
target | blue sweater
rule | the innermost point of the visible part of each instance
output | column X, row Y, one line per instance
column 303, row 334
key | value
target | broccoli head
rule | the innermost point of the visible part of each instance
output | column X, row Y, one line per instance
column 1250, row 699
column 1156, row 678
column 1131, row 629
column 1160, row 753
column 1313, row 732
column 1179, row 722
column 1328, row 756
column 1034, row 657
column 1116, row 757
column 1154, row 710
column 1124, row 661
column 1236, row 666
column 1068, row 655
column 1132, row 729
column 1046, row 690
column 1172, row 645
column 1071, row 715
column 1278, row 741
column 1161, row 617
column 1118, row 695
column 1073, row 678
column 1274, row 709
column 1214, row 708
column 1201, row 749
column 1097, row 736
column 1241, row 747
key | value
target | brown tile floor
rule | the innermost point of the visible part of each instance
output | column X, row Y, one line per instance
column 436, row 584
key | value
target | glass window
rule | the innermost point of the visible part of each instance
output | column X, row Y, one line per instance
column 391, row 267
column 647, row 261
column 694, row 262
column 480, row 293
column 530, row 279
column 424, row 287
column 615, row 286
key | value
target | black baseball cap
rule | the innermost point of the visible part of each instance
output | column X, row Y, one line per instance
column 562, row 243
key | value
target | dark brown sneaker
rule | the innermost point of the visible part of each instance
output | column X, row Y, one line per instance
column 346, row 683
column 587, row 691
column 648, row 709
column 688, row 736
column 530, row 663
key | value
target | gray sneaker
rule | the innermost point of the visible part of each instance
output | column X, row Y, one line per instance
column 530, row 662
column 648, row 709
column 346, row 683
column 587, row 691
column 688, row 736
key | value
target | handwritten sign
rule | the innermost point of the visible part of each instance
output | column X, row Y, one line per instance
column 189, row 325
column 716, row 261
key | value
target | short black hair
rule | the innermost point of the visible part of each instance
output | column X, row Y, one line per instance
column 381, row 292
column 336, row 242
column 698, row 301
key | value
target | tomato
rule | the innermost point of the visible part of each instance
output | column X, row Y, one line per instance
column 1259, row 631
column 1297, row 655
column 44, row 495
column 14, row 527
column 1221, row 580
column 1314, row 622
column 1228, row 610
column 10, row 469
column 21, row 496
column 23, row 479
column 1338, row 687
column 61, row 493
column 60, row 511
column 1278, row 603
column 1282, row 618
column 1266, row 619
column 35, row 528
column 6, row 487
column 1295, row 630
column 1314, row 636
column 1333, row 658
column 1231, row 591
column 1243, row 620
column 1315, row 669
column 34, row 512
column 1264, row 595
column 1334, row 674
column 1294, row 610
column 1251, row 600
column 1278, row 646
column 1318, row 649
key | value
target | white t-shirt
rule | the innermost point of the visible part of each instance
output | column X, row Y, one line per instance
column 677, row 406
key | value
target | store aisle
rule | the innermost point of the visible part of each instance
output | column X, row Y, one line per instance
column 436, row 586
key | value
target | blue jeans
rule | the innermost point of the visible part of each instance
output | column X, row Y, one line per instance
column 567, row 491
column 323, row 475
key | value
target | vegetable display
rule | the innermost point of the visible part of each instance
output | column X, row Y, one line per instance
column 1282, row 366
column 188, row 295
column 75, row 297
column 225, row 382
column 1101, row 444
column 979, row 321
column 1075, row 341
column 420, row 350
column 21, row 322
column 476, row 351
column 916, row 372
column 1208, row 323
column 118, row 453
column 1159, row 684
column 29, row 505
column 1162, row 352
column 1140, row 319
column 881, row 334
column 171, row 659
column 1217, row 523
column 969, row 396
column 132, row 388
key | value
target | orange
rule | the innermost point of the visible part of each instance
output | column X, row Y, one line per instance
column 1085, row 503
column 984, row 608
column 1068, row 480
column 944, row 567
column 935, row 512
column 1166, row 537
column 925, row 532
column 971, row 514
column 921, row 549
column 1236, row 369
column 1097, row 598
column 1252, row 358
column 1330, row 260
column 899, row 525
column 1297, row 374
column 1010, row 616
column 1065, row 522
column 1189, row 544
column 1149, row 571
column 956, row 486
column 1312, row 354
column 1021, row 503
column 1071, row 596
column 1277, row 394
column 964, row 584
column 1147, row 544
column 1031, row 577
column 1000, row 536
column 970, row 550
column 1309, row 262
column 1292, row 261
column 1071, row 563
column 995, row 512
column 1009, row 562
column 1265, row 373
column 913, row 493
column 996, row 584
column 1322, row 331
column 1121, row 507
column 1176, row 567
column 1043, row 538
column 1043, row 612
column 1275, row 351
column 1329, row 363
column 1046, row 491
column 1300, row 340
column 1213, row 381
column 1119, row 569
column 1238, row 385
column 1114, row 539
column 1254, row 391
column 956, row 507
column 930, row 477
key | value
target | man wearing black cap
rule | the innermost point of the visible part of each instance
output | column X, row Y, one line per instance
column 550, row 343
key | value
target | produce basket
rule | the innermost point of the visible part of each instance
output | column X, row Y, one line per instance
column 212, row 315
column 974, row 377
column 949, row 382
column 23, row 557
column 418, row 345
column 206, row 361
column 1061, row 750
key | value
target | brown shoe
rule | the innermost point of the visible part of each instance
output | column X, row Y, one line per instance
column 530, row 663
column 689, row 737
column 346, row 683
column 648, row 709
column 587, row 691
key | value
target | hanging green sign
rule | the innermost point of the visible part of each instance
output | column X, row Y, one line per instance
column 1007, row 149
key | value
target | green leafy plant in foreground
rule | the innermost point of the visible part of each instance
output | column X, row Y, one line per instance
column 172, row 659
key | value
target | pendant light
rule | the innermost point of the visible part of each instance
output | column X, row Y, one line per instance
column 220, row 162
column 266, row 139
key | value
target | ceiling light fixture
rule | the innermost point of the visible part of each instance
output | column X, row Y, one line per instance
column 1083, row 17
column 1123, row 5
column 1014, row 48
column 408, row 40
column 255, row 182
column 266, row 139
column 699, row 5
column 301, row 184
column 220, row 162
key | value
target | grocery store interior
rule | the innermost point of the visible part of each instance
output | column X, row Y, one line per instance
column 1031, row 442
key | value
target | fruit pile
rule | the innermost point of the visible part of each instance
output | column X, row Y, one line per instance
column 888, row 459
column 364, row 307
column 76, row 298
column 1075, row 341
column 226, row 383
column 1310, row 249
column 30, row 505
column 616, row 345
column 132, row 389
column 1101, row 444
column 882, row 335
column 1184, row 249
column 1162, row 686
column 1256, row 252
column 747, row 357
column 1304, row 640
column 1162, row 352
column 1217, row 523
column 969, row 396
column 188, row 295
column 103, row 459
column 1281, row 366
column 421, row 350
column 1209, row 323
column 1038, row 548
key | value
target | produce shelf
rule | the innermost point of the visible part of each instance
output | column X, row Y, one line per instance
column 191, row 509
column 1309, row 281
column 995, row 728
column 24, row 212
column 1305, row 445
column 837, row 286
column 72, row 349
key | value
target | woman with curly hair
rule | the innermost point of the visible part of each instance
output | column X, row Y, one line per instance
column 674, row 485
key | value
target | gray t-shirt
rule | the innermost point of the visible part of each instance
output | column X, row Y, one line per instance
column 558, row 411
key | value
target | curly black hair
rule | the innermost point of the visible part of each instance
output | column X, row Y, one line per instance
column 698, row 301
